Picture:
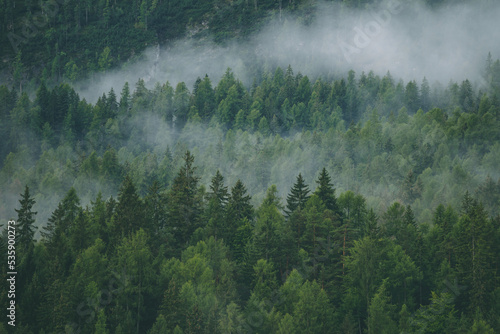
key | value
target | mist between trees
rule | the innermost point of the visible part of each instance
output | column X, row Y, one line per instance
column 205, row 198
column 387, row 140
column 325, row 196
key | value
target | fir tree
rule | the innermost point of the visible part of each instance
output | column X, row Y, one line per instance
column 238, row 206
column 156, row 216
column 326, row 191
column 299, row 194
column 129, row 213
column 78, row 236
column 217, row 201
column 26, row 220
column 185, row 204
column 380, row 313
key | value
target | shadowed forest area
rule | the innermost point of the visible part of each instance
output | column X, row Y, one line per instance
column 362, row 203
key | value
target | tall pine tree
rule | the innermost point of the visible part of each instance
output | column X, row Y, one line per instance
column 217, row 201
column 326, row 191
column 26, row 221
column 129, row 213
column 185, row 203
column 299, row 194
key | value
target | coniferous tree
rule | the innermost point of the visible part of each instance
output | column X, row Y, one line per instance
column 317, row 225
column 172, row 308
column 444, row 220
column 351, row 111
column 58, row 229
column 125, row 98
column 412, row 98
column 155, row 211
column 79, row 238
column 238, row 206
column 215, row 213
column 371, row 228
column 185, row 204
column 204, row 98
column 129, row 214
column 25, row 221
column 326, row 191
column 380, row 313
column 297, row 222
column 268, row 226
column 25, row 261
column 298, row 196
column 133, row 255
column 312, row 309
column 425, row 95
column 474, row 238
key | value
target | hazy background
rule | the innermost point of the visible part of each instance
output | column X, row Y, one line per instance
column 448, row 43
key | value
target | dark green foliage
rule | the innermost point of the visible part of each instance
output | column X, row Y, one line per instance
column 239, row 206
column 326, row 191
column 156, row 214
column 298, row 196
column 268, row 225
column 185, row 203
column 216, row 209
column 25, row 221
column 474, row 239
column 204, row 98
column 381, row 313
column 369, row 283
column 129, row 212
column 178, row 252
column 412, row 97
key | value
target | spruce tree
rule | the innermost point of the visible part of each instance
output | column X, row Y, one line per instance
column 172, row 308
column 61, row 221
column 129, row 213
column 49, row 231
column 474, row 248
column 326, row 191
column 25, row 260
column 381, row 312
column 268, row 226
column 299, row 194
column 185, row 204
column 79, row 238
column 238, row 206
column 215, row 213
column 125, row 98
column 26, row 220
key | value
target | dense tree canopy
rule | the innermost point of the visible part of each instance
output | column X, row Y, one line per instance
column 293, row 206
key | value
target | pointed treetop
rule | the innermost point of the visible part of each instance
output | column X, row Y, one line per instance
column 326, row 191
column 26, row 219
column 218, row 191
column 409, row 217
column 272, row 198
column 299, row 194
column 239, row 206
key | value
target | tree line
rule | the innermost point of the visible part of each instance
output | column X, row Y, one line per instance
column 386, row 139
column 146, row 239
column 191, row 259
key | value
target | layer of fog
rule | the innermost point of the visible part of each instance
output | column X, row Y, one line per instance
column 403, row 37
column 450, row 43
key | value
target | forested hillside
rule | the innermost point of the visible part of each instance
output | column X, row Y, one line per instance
column 360, row 204
column 70, row 40
column 327, row 201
